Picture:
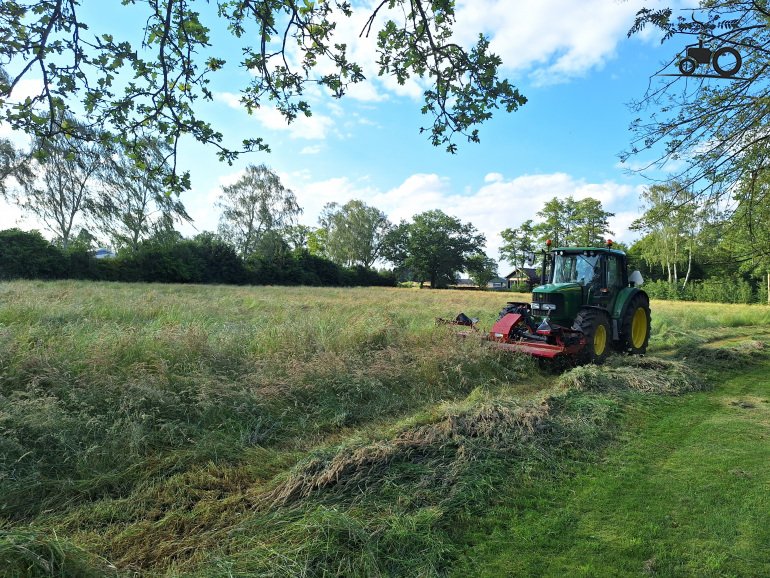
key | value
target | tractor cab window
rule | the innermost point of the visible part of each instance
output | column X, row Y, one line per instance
column 614, row 272
column 575, row 269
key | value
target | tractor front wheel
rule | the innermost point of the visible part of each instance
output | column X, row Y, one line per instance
column 635, row 326
column 595, row 325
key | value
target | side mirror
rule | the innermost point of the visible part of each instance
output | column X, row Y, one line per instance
column 530, row 258
column 635, row 279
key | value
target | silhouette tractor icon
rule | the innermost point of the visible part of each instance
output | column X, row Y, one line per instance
column 700, row 55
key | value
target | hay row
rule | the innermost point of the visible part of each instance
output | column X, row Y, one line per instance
column 357, row 469
column 642, row 374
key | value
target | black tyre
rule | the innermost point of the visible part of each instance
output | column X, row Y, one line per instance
column 595, row 325
column 687, row 66
column 635, row 326
column 734, row 62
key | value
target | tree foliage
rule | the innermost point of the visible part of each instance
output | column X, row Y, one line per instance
column 671, row 225
column 14, row 167
column 354, row 233
column 571, row 222
column 517, row 243
column 744, row 229
column 715, row 130
column 592, row 223
column 481, row 269
column 435, row 246
column 65, row 170
column 255, row 208
column 298, row 236
column 150, row 87
column 27, row 254
column 132, row 203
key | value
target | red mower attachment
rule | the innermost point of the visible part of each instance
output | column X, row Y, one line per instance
column 513, row 333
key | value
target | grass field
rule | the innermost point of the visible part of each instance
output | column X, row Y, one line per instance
column 191, row 430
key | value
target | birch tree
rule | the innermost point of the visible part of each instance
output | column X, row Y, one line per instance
column 256, row 206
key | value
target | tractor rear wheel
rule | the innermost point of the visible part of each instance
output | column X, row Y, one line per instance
column 595, row 325
column 635, row 326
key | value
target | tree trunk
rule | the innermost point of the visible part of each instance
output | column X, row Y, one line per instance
column 689, row 267
column 676, row 258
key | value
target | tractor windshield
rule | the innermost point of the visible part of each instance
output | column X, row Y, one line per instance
column 574, row 268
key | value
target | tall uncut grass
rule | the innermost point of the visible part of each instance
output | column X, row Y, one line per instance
column 107, row 386
column 280, row 431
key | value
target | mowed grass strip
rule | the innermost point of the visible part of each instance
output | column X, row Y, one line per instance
column 685, row 492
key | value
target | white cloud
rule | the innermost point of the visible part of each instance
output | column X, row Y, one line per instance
column 18, row 138
column 607, row 192
column 415, row 195
column 552, row 40
column 314, row 127
column 305, row 127
column 28, row 87
column 231, row 179
column 621, row 224
column 313, row 196
column 335, row 109
column 495, row 206
column 311, row 150
column 230, row 99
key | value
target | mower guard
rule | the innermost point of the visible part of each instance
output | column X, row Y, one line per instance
column 536, row 349
column 504, row 335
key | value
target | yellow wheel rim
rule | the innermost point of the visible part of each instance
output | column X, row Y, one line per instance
column 639, row 328
column 600, row 340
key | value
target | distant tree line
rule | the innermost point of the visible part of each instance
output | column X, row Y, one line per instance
column 85, row 191
column 88, row 193
column 202, row 259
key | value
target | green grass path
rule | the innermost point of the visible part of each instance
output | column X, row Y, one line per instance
column 686, row 492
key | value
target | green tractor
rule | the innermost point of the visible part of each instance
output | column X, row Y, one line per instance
column 588, row 306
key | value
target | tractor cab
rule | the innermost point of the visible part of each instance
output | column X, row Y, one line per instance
column 579, row 276
column 600, row 274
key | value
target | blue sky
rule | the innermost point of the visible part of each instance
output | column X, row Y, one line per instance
column 570, row 58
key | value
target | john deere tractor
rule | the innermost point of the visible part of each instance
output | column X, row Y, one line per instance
column 588, row 306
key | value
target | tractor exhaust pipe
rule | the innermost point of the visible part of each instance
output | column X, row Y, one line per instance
column 545, row 279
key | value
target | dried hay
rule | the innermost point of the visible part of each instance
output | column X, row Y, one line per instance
column 729, row 356
column 643, row 374
column 357, row 469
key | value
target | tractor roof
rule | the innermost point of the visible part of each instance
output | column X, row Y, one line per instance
column 576, row 249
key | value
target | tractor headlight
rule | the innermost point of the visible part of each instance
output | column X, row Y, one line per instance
column 548, row 306
column 535, row 305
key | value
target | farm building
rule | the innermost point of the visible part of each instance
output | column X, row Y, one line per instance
column 525, row 275
column 498, row 283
